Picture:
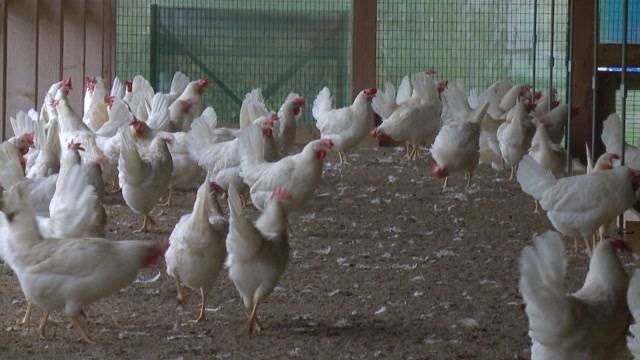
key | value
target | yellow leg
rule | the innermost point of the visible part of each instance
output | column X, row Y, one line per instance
column 253, row 318
column 83, row 335
column 27, row 315
column 169, row 196
column 513, row 172
column 145, row 224
column 42, row 329
column 444, row 184
column 179, row 295
column 203, row 303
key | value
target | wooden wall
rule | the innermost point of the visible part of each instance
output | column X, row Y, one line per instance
column 44, row 41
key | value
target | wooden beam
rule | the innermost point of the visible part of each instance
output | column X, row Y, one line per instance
column 582, row 34
column 50, row 46
column 611, row 55
column 107, row 35
column 113, row 29
column 73, row 49
column 94, row 48
column 22, row 40
column 363, row 50
column 3, row 67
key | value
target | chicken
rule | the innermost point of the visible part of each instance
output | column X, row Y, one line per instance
column 38, row 191
column 68, row 273
column 612, row 140
column 73, row 130
column 416, row 121
column 546, row 101
column 548, row 154
column 346, row 126
column 514, row 136
column 258, row 253
column 493, row 95
column 252, row 107
column 139, row 93
column 48, row 159
column 214, row 151
column 108, row 138
column 144, row 180
column 299, row 173
column 633, row 301
column 197, row 249
column 95, row 109
column 188, row 105
column 579, row 205
column 513, row 96
column 588, row 324
column 556, row 120
column 25, row 132
column 489, row 145
column 456, row 147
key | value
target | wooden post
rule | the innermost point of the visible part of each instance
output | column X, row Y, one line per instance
column 108, row 41
column 363, row 50
column 114, row 22
column 582, row 34
column 94, row 46
column 22, row 41
column 50, row 46
column 3, row 67
column 73, row 50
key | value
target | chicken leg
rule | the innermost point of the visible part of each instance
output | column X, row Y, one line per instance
column 203, row 303
column 444, row 184
column 535, row 211
column 469, row 175
column 42, row 329
column 83, row 335
column 179, row 295
column 169, row 196
column 27, row 314
column 253, row 319
column 145, row 224
column 513, row 173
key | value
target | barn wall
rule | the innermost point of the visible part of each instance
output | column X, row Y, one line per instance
column 43, row 41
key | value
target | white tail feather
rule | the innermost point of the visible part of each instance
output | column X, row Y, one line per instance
column 533, row 178
column 322, row 103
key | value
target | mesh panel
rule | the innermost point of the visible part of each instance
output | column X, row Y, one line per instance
column 238, row 45
column 611, row 33
column 471, row 42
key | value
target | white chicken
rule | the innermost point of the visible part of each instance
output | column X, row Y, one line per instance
column 346, row 127
column 456, row 147
column 258, row 253
column 548, row 154
column 633, row 301
column 188, row 105
column 71, row 273
column 73, row 130
column 591, row 323
column 48, row 159
column 139, row 93
column 299, row 173
column 514, row 136
column 612, row 139
column 197, row 250
column 416, row 121
column 579, row 205
column 144, row 179
column 95, row 108
column 38, row 191
column 556, row 120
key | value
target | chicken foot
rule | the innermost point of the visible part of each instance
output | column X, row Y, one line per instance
column 167, row 203
column 145, row 224
column 114, row 187
column 253, row 319
column 27, row 314
column 83, row 335
column 444, row 184
column 42, row 329
column 203, row 303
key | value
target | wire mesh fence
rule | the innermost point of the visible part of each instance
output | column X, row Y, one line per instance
column 472, row 42
column 279, row 46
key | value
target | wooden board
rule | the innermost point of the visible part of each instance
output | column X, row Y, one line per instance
column 22, row 39
column 73, row 50
column 50, row 46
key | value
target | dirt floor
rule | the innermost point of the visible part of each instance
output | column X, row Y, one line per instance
column 383, row 265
